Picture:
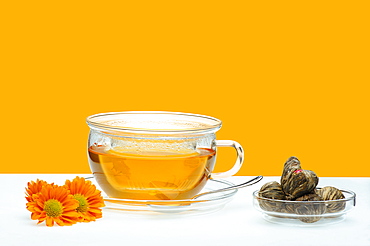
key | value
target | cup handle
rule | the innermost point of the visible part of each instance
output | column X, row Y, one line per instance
column 239, row 159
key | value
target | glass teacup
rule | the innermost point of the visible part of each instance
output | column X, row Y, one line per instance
column 153, row 155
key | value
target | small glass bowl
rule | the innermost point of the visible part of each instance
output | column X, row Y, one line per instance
column 305, row 213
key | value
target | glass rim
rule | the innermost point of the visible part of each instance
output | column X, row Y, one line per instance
column 351, row 196
column 179, row 122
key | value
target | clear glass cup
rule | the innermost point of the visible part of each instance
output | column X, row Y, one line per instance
column 154, row 155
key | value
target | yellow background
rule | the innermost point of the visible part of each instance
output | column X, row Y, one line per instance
column 286, row 78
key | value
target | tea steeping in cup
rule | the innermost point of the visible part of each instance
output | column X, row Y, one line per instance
column 151, row 155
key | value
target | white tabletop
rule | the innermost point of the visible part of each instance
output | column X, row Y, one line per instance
column 238, row 223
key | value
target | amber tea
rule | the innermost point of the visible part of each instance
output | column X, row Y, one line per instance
column 151, row 175
column 155, row 155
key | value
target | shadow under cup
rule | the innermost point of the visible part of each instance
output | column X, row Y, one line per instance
column 143, row 155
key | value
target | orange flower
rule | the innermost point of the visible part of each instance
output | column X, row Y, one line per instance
column 89, row 198
column 34, row 188
column 52, row 204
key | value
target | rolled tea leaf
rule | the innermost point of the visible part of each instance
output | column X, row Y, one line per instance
column 271, row 190
column 292, row 162
column 331, row 193
column 299, row 183
column 290, row 165
column 309, row 208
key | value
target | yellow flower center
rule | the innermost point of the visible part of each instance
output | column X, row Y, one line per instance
column 53, row 208
column 84, row 205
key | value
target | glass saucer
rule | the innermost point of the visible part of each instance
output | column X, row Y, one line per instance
column 205, row 204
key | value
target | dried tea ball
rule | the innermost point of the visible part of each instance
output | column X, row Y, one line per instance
column 332, row 193
column 290, row 165
column 310, row 208
column 299, row 183
column 271, row 190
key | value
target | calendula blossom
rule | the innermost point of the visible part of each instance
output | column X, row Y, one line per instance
column 34, row 188
column 77, row 201
column 54, row 204
column 89, row 198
